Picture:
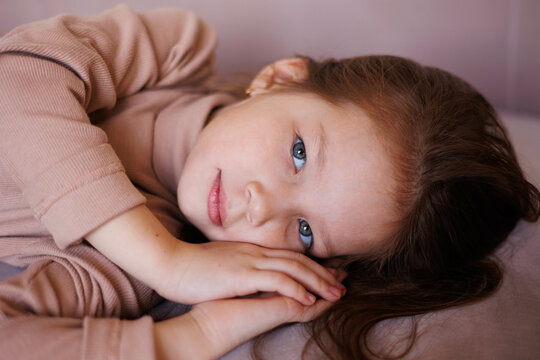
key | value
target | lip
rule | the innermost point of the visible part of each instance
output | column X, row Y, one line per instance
column 216, row 198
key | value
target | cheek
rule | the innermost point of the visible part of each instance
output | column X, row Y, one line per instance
column 250, row 157
column 272, row 236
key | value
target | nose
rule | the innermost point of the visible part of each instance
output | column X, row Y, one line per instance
column 261, row 204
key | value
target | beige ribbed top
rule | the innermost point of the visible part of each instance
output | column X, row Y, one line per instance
column 97, row 116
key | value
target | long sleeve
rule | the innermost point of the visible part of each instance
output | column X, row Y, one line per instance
column 73, row 304
column 54, row 73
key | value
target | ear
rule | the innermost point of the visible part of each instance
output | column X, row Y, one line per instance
column 279, row 74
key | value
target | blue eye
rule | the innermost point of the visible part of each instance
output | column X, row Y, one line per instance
column 305, row 233
column 299, row 154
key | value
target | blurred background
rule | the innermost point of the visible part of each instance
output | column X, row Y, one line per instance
column 493, row 44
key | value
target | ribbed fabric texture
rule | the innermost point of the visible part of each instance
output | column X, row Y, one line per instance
column 79, row 101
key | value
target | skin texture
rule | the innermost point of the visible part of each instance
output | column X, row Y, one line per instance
column 248, row 148
column 342, row 190
column 213, row 328
column 194, row 273
column 266, row 194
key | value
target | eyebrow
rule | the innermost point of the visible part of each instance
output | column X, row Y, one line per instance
column 320, row 146
column 325, row 240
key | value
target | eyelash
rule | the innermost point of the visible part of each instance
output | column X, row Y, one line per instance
column 299, row 154
column 299, row 159
column 304, row 230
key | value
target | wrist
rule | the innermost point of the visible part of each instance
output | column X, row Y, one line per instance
column 171, row 269
column 182, row 338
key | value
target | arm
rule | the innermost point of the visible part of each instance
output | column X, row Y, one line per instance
column 67, row 305
column 193, row 273
column 53, row 73
column 212, row 329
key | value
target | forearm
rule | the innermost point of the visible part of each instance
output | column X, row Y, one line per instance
column 194, row 273
column 55, row 72
column 204, row 336
column 138, row 243
column 214, row 328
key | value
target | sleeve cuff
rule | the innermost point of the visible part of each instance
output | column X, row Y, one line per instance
column 103, row 199
column 81, row 193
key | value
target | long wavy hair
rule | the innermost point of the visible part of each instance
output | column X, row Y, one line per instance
column 461, row 192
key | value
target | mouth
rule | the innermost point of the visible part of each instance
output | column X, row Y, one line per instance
column 216, row 198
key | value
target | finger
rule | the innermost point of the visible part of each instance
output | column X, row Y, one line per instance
column 333, row 271
column 341, row 275
column 275, row 281
column 312, row 312
column 311, row 264
column 304, row 275
column 242, row 319
column 338, row 273
column 287, row 310
column 234, row 321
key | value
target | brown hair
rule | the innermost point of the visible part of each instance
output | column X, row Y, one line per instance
column 461, row 193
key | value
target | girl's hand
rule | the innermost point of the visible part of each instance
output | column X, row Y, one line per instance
column 188, row 273
column 217, row 270
column 213, row 328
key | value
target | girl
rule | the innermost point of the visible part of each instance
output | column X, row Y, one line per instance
column 112, row 143
column 97, row 96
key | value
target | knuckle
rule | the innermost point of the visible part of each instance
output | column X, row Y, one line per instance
column 281, row 278
column 294, row 265
column 320, row 283
column 291, row 308
column 294, row 310
column 299, row 257
column 284, row 282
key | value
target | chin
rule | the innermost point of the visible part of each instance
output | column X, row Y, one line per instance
column 212, row 237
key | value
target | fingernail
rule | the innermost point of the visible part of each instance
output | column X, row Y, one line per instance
column 310, row 298
column 335, row 292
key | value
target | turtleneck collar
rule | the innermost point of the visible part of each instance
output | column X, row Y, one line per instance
column 176, row 130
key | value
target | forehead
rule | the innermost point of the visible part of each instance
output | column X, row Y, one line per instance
column 352, row 192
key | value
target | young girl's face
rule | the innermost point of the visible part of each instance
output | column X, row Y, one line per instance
column 292, row 171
